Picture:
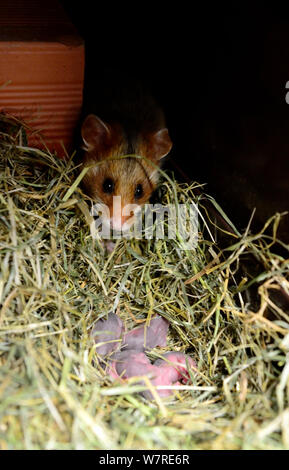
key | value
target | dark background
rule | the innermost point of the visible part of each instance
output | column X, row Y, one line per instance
column 220, row 75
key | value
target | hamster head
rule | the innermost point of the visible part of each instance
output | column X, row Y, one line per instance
column 122, row 185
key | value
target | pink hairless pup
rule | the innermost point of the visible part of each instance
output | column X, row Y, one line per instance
column 129, row 358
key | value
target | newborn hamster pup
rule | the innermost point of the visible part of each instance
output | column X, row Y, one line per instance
column 130, row 125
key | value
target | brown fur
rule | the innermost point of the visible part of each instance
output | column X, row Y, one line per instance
column 104, row 142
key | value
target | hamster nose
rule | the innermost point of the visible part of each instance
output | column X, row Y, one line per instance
column 117, row 223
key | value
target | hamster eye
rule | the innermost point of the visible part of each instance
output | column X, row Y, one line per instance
column 138, row 191
column 108, row 186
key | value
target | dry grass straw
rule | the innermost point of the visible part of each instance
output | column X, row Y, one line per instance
column 56, row 281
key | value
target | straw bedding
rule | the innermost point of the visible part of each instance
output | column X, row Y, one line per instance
column 56, row 281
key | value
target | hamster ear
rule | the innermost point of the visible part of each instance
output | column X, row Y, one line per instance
column 160, row 144
column 94, row 132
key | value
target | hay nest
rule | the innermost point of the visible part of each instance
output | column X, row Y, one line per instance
column 227, row 306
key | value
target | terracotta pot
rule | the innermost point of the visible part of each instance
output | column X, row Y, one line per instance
column 41, row 71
